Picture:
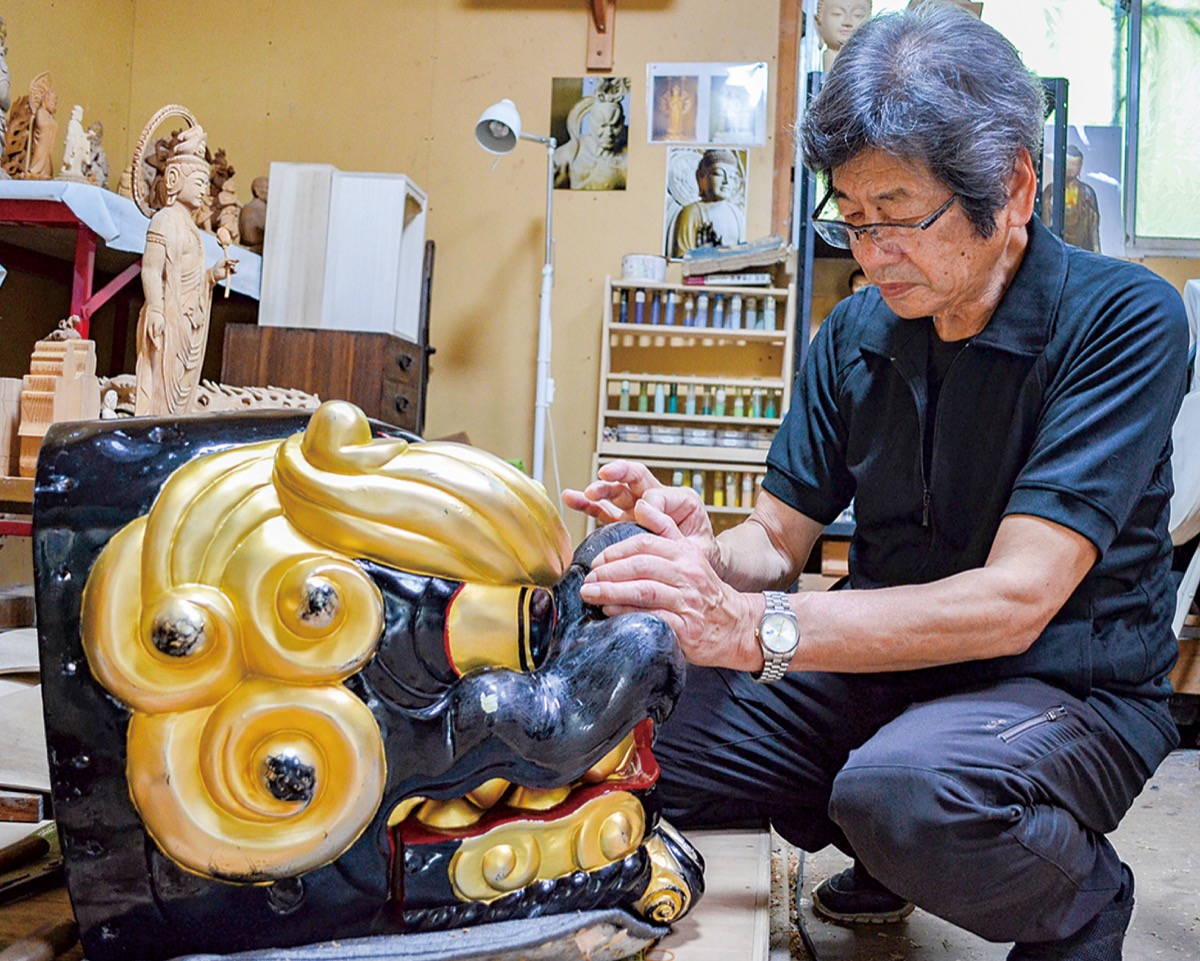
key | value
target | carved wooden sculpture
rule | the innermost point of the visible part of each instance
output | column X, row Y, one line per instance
column 305, row 681
column 76, row 148
column 172, row 329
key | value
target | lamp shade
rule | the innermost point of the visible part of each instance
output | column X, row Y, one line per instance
column 499, row 127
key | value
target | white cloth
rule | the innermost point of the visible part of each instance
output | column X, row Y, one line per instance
column 119, row 223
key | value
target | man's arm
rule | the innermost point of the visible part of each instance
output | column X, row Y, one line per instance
column 995, row 610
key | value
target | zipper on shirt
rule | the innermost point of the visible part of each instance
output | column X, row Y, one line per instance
column 1021, row 727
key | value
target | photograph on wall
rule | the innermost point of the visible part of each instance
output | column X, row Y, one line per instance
column 705, row 203
column 707, row 103
column 672, row 108
column 589, row 118
column 1092, row 214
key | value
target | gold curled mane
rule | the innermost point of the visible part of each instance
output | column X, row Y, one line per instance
column 227, row 618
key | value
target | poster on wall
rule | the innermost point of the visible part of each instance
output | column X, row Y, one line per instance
column 589, row 117
column 1092, row 214
column 705, row 203
column 707, row 103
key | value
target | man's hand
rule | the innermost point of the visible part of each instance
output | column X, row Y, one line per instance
column 669, row 573
column 627, row 491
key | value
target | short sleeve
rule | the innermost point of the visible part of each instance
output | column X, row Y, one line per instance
column 1106, row 424
column 806, row 466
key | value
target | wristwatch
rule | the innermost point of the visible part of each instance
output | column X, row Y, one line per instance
column 778, row 634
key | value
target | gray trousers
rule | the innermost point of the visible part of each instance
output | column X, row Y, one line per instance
column 987, row 808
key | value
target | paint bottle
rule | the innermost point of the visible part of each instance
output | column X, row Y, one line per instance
column 639, row 307
column 623, row 403
column 672, row 300
column 752, row 321
column 718, row 497
column 660, row 398
column 677, row 477
column 735, row 311
column 739, row 405
column 769, row 318
column 731, row 491
column 706, row 403
column 719, row 409
column 655, row 307
column 623, row 307
column 770, row 411
column 673, row 400
column 689, row 307
column 747, row 490
column 718, row 314
column 689, row 404
column 702, row 310
column 698, row 482
column 643, row 398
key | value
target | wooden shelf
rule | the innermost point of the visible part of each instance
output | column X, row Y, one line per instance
column 719, row 455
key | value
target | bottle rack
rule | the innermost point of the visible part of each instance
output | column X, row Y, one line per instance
column 686, row 386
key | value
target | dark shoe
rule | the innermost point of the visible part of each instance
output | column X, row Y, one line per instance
column 857, row 898
column 1098, row 940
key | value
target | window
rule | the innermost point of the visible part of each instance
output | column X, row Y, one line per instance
column 1147, row 139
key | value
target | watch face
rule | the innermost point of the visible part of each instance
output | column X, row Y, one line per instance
column 778, row 633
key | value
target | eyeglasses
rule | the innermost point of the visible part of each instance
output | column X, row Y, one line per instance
column 838, row 233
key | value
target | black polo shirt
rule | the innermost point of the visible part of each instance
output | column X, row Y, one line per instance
column 1061, row 407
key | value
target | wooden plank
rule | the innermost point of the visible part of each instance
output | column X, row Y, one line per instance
column 1186, row 676
column 791, row 16
column 23, row 763
column 22, row 806
column 602, row 24
column 17, row 490
column 733, row 918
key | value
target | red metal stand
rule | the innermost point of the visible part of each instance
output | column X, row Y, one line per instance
column 53, row 213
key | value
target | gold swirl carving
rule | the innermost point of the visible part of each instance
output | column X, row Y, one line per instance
column 667, row 896
column 119, row 634
column 446, row 510
column 607, row 828
column 286, row 778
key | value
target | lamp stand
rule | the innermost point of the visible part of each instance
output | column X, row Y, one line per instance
column 544, row 391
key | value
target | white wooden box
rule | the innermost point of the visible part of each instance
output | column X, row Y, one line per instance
column 343, row 251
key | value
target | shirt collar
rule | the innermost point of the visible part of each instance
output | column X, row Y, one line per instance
column 1022, row 320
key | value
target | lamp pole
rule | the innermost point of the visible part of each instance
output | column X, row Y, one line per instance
column 544, row 391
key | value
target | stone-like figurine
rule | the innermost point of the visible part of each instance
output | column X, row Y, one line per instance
column 76, row 149
column 252, row 221
column 316, row 679
column 835, row 21
column 95, row 168
column 223, row 206
column 172, row 331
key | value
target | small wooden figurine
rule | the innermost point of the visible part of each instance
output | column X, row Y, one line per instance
column 95, row 168
column 252, row 221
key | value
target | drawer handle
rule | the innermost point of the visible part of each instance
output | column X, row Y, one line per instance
column 403, row 361
column 401, row 404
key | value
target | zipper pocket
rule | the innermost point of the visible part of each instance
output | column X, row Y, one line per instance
column 1022, row 727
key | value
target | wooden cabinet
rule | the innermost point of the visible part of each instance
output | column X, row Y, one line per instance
column 694, row 383
column 383, row 374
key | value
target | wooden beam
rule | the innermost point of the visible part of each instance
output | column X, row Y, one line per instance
column 791, row 17
column 602, row 25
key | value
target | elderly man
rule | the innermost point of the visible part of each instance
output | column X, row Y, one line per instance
column 983, row 703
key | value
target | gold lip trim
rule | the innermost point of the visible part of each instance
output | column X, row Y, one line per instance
column 606, row 829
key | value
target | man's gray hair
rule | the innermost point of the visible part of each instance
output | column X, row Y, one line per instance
column 936, row 86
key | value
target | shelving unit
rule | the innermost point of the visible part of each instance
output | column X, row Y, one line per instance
column 692, row 439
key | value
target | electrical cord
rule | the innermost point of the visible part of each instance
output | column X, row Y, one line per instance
column 804, row 935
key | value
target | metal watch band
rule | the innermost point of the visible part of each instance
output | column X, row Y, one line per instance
column 775, row 665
